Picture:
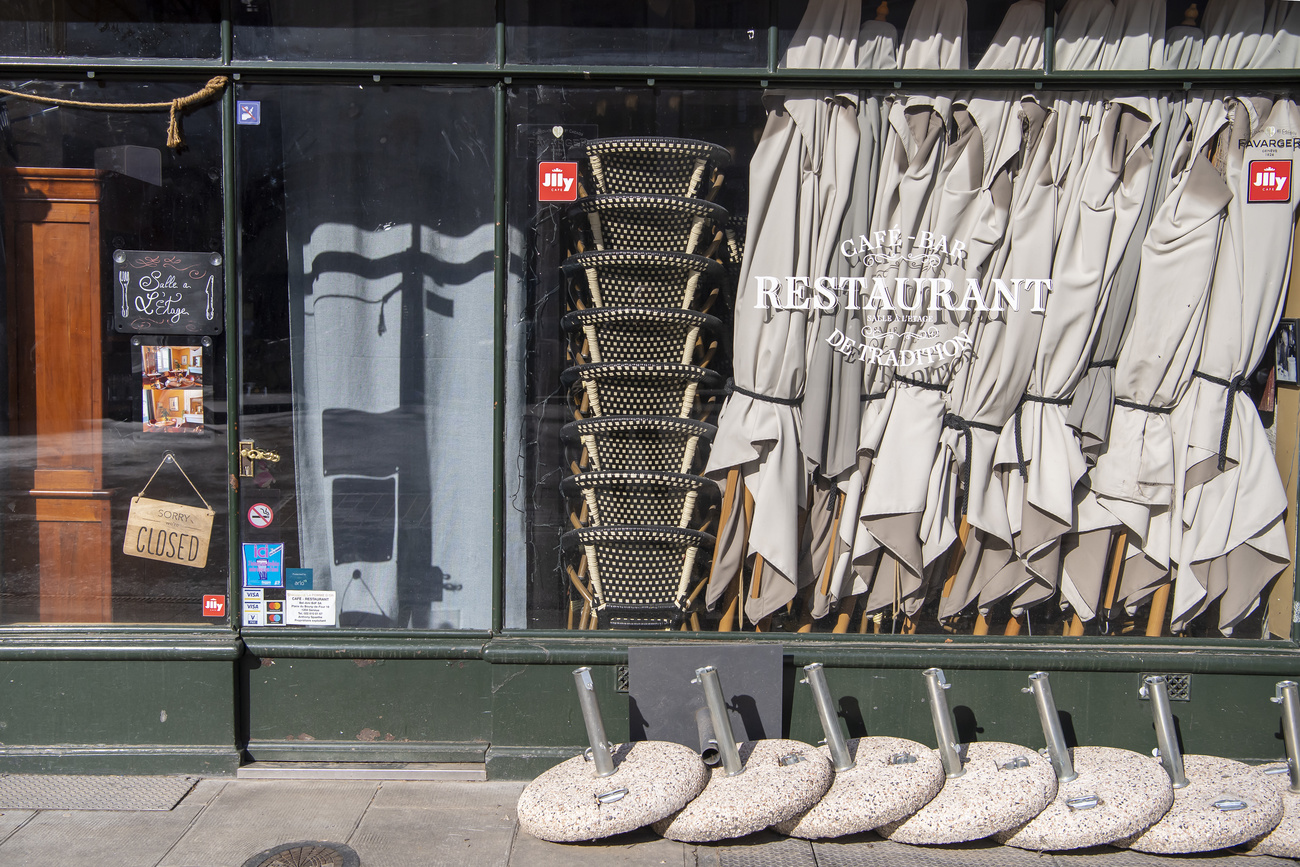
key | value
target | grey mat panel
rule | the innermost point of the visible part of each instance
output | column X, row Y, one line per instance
column 1106, row 856
column 642, row 848
column 764, row 849
column 61, row 839
column 250, row 816
column 867, row 851
column 80, row 792
column 428, row 838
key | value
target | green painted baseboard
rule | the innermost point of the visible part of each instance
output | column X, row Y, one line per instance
column 205, row 761
column 525, row 763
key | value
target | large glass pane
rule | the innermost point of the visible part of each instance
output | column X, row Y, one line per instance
column 367, row 322
column 935, row 34
column 649, row 33
column 123, row 28
column 437, row 31
column 987, row 378
column 113, row 458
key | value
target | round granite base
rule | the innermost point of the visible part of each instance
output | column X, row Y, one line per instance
column 1194, row 824
column 1284, row 840
column 874, row 791
column 569, row 803
column 1131, row 790
column 984, row 800
column 771, row 789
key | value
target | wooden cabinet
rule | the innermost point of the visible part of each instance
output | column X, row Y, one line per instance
column 56, row 389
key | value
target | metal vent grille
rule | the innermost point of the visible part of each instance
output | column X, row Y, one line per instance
column 1178, row 685
column 620, row 678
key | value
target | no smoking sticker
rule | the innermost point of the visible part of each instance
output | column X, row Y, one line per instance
column 260, row 515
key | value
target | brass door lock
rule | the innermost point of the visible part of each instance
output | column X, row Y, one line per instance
column 248, row 454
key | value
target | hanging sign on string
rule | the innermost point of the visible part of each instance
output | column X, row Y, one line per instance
column 166, row 531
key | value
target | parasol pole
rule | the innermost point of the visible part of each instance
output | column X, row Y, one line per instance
column 1155, row 689
column 959, row 554
column 601, row 749
column 1159, row 605
column 731, row 598
column 815, row 677
column 1119, row 542
column 707, row 677
column 944, row 730
column 845, row 615
column 1051, row 722
column 1288, row 695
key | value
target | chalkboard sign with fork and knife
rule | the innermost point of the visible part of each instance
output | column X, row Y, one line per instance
column 167, row 292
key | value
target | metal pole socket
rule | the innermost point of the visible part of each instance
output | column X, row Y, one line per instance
column 1154, row 688
column 944, row 730
column 816, row 678
column 1056, row 748
column 707, row 677
column 601, row 748
column 1288, row 695
column 708, row 742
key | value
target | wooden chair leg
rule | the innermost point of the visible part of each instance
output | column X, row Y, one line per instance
column 845, row 615
column 1159, row 607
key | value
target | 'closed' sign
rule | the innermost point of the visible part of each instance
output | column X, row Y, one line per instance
column 173, row 533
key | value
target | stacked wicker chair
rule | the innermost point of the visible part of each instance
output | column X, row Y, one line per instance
column 640, row 342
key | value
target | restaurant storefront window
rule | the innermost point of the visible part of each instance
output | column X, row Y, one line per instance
column 936, row 375
column 377, row 361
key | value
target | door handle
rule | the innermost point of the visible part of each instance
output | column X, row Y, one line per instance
column 248, row 453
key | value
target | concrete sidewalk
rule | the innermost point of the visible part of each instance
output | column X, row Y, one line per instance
column 224, row 822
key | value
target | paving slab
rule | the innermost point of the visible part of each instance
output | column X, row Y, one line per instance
column 60, row 838
column 249, row 816
column 12, row 820
column 429, row 838
column 642, row 848
column 488, row 799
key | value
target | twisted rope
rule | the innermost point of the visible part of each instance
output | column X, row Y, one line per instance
column 1234, row 385
column 731, row 388
column 208, row 92
column 1021, row 463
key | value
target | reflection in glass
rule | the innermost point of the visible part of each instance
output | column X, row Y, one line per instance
column 639, row 33
column 124, row 28
column 78, row 443
column 434, row 31
column 368, row 320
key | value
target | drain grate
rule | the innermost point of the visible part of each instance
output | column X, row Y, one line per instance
column 1178, row 685
column 307, row 853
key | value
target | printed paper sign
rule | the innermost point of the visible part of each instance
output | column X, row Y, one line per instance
column 557, row 182
column 263, row 564
column 214, row 606
column 309, row 607
column 1270, row 181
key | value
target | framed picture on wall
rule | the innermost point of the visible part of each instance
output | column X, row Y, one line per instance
column 1287, row 331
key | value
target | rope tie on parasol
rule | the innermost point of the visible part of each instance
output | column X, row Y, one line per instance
column 208, row 92
column 1021, row 463
column 875, row 395
column 920, row 383
column 967, row 428
column 1110, row 362
column 1234, row 385
column 731, row 387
